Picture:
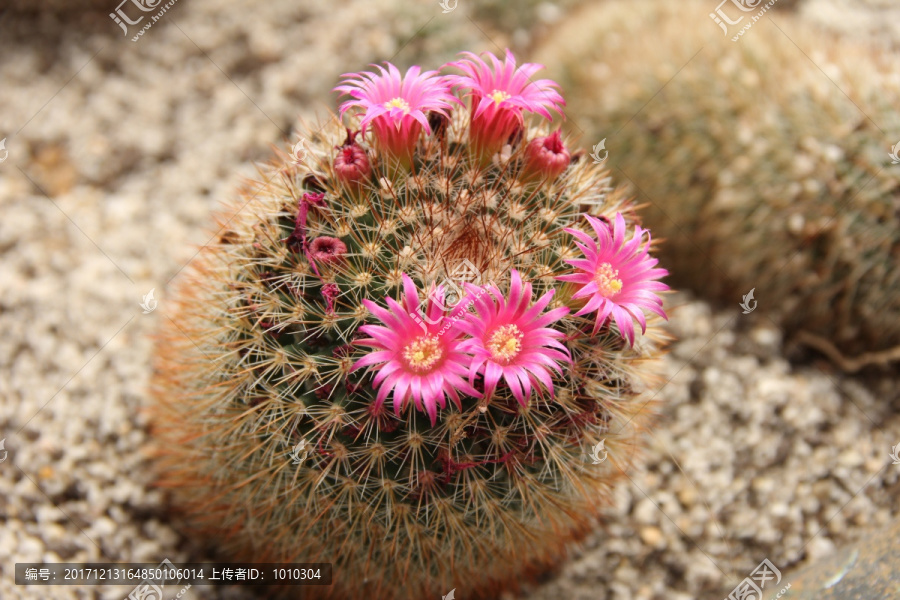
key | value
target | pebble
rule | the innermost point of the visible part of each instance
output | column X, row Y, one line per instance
column 767, row 453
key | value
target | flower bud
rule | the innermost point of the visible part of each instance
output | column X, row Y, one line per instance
column 351, row 166
column 546, row 157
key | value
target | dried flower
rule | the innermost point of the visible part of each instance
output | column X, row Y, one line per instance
column 327, row 250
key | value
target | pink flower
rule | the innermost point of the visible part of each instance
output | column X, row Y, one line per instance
column 500, row 95
column 396, row 106
column 511, row 340
column 616, row 276
column 546, row 157
column 415, row 359
column 327, row 250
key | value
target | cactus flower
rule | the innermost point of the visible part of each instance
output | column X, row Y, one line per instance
column 396, row 106
column 617, row 277
column 418, row 360
column 512, row 341
column 499, row 93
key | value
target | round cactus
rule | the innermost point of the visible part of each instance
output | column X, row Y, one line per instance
column 403, row 346
column 764, row 161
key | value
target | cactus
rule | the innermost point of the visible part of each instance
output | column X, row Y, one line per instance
column 301, row 386
column 759, row 171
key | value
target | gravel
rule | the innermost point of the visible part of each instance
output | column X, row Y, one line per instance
column 751, row 459
column 119, row 151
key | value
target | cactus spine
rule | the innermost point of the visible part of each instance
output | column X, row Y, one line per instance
column 257, row 367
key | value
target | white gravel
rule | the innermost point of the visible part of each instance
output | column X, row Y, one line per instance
column 751, row 459
column 118, row 151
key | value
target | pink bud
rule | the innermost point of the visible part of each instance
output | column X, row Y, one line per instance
column 546, row 157
column 352, row 165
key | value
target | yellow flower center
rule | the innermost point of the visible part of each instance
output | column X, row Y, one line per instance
column 398, row 103
column 607, row 280
column 423, row 353
column 499, row 96
column 505, row 343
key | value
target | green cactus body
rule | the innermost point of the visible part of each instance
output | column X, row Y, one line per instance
column 254, row 371
column 762, row 167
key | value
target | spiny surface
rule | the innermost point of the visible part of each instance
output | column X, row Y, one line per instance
column 257, row 365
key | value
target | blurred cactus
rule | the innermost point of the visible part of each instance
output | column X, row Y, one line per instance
column 272, row 382
column 523, row 19
column 761, row 172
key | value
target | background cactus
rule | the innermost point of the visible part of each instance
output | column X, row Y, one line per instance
column 258, row 365
column 763, row 167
